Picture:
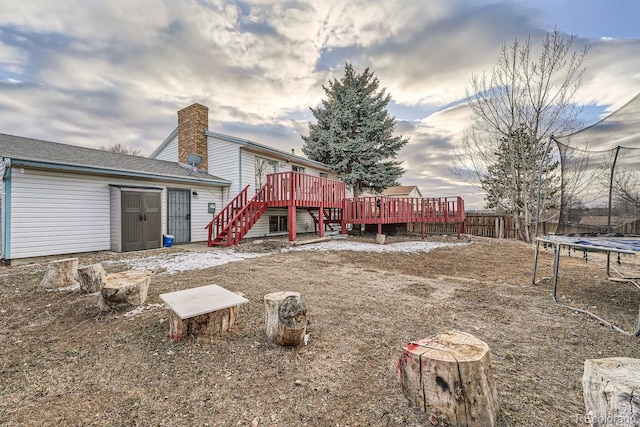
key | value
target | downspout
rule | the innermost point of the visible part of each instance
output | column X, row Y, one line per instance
column 239, row 170
column 5, row 221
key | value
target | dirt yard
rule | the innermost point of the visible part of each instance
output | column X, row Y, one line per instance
column 63, row 362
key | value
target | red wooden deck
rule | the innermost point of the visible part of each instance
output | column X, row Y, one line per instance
column 297, row 190
column 302, row 190
column 388, row 210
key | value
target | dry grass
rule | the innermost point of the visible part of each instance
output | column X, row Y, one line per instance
column 65, row 363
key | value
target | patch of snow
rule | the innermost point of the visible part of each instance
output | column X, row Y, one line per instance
column 350, row 245
column 174, row 263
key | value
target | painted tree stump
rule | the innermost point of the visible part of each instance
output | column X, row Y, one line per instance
column 285, row 318
column 124, row 290
column 611, row 389
column 92, row 278
column 449, row 377
column 60, row 273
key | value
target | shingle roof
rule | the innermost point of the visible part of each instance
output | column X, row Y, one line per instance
column 400, row 190
column 99, row 161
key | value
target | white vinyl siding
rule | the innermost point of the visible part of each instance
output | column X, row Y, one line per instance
column 224, row 160
column 200, row 216
column 55, row 213
column 170, row 152
column 2, row 214
column 249, row 171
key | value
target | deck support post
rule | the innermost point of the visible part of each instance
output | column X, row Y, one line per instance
column 321, row 221
column 343, row 223
column 292, row 223
column 380, row 228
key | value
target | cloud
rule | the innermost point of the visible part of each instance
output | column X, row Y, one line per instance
column 100, row 73
column 612, row 73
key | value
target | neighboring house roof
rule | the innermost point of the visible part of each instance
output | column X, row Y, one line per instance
column 254, row 146
column 53, row 155
column 401, row 190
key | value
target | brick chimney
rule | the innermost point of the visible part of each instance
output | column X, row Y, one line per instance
column 192, row 121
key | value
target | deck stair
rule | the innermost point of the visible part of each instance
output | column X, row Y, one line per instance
column 331, row 216
column 236, row 219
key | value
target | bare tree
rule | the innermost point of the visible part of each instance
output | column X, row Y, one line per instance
column 121, row 149
column 528, row 96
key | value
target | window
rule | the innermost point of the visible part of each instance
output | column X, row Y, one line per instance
column 278, row 223
column 298, row 169
column 263, row 168
column 324, row 175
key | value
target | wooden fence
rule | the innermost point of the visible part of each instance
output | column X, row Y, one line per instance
column 502, row 226
column 476, row 224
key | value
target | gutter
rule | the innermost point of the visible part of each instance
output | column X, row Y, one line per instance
column 114, row 172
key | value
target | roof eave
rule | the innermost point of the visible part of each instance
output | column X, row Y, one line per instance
column 116, row 172
column 264, row 149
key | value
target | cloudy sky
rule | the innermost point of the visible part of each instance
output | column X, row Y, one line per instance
column 99, row 73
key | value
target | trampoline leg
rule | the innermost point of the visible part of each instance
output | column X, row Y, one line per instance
column 556, row 261
column 535, row 263
column 608, row 263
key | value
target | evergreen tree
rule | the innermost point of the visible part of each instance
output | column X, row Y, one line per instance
column 529, row 94
column 353, row 133
column 511, row 182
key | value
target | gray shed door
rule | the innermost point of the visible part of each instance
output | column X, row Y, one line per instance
column 179, row 215
column 141, row 224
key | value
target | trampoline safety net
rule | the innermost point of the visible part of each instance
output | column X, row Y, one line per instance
column 599, row 178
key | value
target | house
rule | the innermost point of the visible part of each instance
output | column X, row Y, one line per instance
column 403, row 191
column 276, row 192
column 198, row 185
column 60, row 199
column 243, row 163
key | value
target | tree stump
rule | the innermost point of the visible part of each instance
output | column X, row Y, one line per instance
column 124, row 290
column 92, row 278
column 449, row 377
column 205, row 327
column 611, row 389
column 285, row 318
column 60, row 273
column 205, row 312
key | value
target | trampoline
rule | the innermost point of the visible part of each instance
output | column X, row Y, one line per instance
column 599, row 196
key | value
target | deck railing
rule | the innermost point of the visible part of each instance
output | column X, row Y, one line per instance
column 299, row 189
column 294, row 189
column 223, row 218
column 387, row 210
column 235, row 220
